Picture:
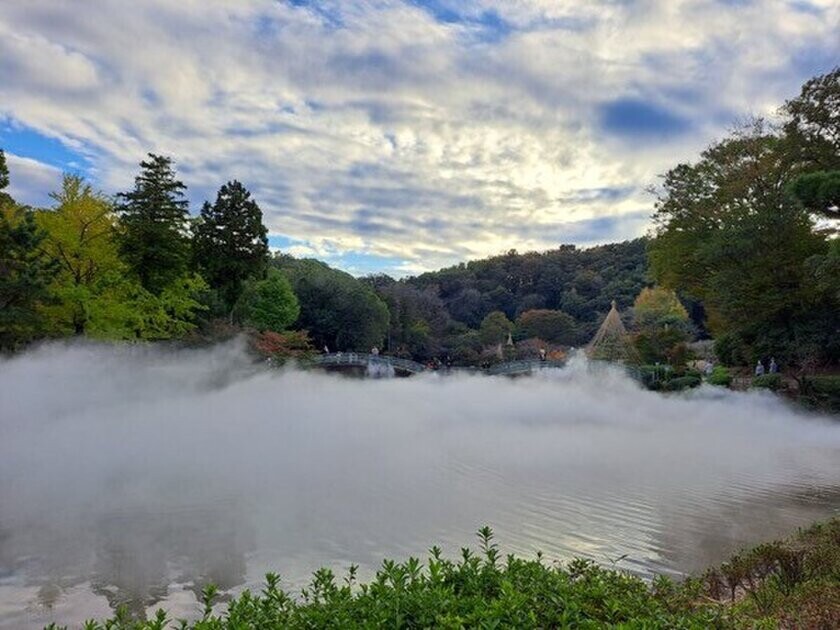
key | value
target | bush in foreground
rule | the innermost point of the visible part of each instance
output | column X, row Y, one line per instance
column 791, row 584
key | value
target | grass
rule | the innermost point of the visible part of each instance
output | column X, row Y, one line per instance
column 788, row 584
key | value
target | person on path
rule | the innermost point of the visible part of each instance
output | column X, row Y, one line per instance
column 774, row 367
column 759, row 368
column 326, row 349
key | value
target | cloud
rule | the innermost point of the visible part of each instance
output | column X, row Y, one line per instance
column 394, row 128
column 31, row 181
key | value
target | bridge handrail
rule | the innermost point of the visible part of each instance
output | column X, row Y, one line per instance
column 524, row 365
column 364, row 358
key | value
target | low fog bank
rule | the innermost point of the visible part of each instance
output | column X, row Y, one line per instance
column 133, row 467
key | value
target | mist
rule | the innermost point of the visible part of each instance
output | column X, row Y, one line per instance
column 136, row 474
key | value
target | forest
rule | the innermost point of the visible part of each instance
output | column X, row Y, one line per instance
column 743, row 250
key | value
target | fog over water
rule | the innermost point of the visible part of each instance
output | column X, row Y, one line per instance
column 134, row 474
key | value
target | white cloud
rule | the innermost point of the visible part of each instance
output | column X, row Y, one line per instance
column 31, row 181
column 371, row 127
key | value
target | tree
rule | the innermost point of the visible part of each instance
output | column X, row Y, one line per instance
column 551, row 326
column 91, row 296
column 813, row 123
column 418, row 319
column 5, row 199
column 729, row 234
column 337, row 309
column 813, row 130
column 495, row 328
column 154, row 220
column 268, row 304
column 169, row 315
column 819, row 192
column 662, row 325
column 657, row 306
column 25, row 274
column 230, row 242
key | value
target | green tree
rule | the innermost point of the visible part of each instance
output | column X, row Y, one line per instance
column 154, row 220
column 729, row 234
column 662, row 326
column 90, row 288
column 819, row 192
column 170, row 314
column 337, row 309
column 25, row 275
column 5, row 199
column 551, row 326
column 230, row 242
column 268, row 304
column 495, row 328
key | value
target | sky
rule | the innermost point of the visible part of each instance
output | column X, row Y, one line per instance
column 400, row 136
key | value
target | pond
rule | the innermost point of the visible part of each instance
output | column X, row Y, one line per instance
column 136, row 475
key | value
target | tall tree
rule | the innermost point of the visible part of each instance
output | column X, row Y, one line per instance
column 230, row 242
column 729, row 234
column 92, row 289
column 548, row 325
column 154, row 220
column 25, row 274
column 662, row 325
column 5, row 199
column 813, row 131
column 337, row 309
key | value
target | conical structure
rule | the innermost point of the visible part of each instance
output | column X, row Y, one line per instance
column 611, row 342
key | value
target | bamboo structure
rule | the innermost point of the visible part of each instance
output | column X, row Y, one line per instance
column 611, row 342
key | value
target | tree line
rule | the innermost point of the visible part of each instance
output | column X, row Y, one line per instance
column 744, row 250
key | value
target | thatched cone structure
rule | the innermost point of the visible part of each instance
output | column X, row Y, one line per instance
column 611, row 342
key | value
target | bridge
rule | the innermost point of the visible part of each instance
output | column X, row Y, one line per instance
column 525, row 366
column 365, row 360
column 406, row 366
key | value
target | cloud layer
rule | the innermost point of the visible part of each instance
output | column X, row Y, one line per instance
column 405, row 134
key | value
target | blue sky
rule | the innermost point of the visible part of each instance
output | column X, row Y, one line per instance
column 400, row 135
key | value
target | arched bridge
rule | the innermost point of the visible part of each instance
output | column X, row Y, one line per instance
column 525, row 366
column 380, row 362
column 365, row 360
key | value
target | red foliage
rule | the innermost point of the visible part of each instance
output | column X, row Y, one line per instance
column 294, row 344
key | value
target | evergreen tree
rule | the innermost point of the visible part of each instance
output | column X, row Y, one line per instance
column 154, row 218
column 25, row 274
column 5, row 199
column 230, row 243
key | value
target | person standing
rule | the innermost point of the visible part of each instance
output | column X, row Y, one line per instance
column 774, row 367
column 759, row 368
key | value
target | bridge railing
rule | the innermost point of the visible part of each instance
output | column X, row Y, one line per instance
column 362, row 359
column 523, row 365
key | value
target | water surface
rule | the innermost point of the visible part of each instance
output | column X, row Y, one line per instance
column 136, row 476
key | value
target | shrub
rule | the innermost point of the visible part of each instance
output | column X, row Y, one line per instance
column 720, row 376
column 282, row 347
column 768, row 381
column 822, row 392
column 730, row 350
